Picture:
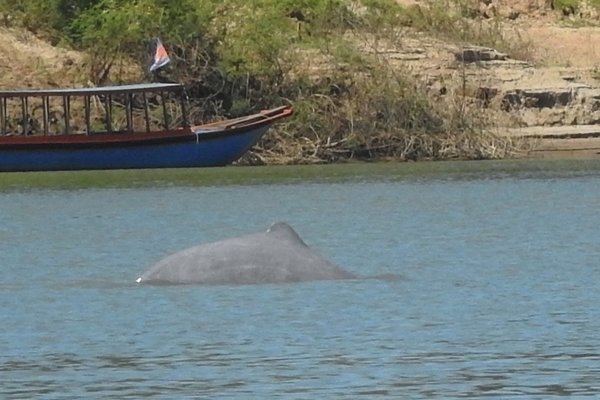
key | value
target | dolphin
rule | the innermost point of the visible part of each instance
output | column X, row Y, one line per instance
column 278, row 255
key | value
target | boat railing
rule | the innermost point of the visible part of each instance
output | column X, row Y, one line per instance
column 98, row 110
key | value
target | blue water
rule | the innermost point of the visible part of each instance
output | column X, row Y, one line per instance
column 498, row 295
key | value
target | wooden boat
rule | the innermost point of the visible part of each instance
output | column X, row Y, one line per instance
column 118, row 127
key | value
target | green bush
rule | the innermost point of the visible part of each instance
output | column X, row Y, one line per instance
column 572, row 5
column 49, row 18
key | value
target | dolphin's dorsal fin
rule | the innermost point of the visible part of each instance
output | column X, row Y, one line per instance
column 284, row 231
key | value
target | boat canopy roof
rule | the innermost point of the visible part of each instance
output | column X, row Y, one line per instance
column 93, row 91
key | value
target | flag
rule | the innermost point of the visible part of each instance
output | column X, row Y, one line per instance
column 161, row 58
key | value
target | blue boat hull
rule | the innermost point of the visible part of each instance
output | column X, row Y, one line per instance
column 195, row 151
column 34, row 142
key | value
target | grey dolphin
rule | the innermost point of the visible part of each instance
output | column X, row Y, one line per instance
column 276, row 256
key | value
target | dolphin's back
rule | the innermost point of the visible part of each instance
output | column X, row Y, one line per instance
column 284, row 232
column 275, row 256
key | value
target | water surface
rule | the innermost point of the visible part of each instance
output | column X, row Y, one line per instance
column 498, row 295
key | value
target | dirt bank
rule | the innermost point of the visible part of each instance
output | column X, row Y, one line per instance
column 31, row 62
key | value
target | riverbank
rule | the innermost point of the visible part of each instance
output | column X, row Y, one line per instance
column 533, row 93
column 560, row 142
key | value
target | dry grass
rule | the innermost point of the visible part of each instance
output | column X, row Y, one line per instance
column 31, row 62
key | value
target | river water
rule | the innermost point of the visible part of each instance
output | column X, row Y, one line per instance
column 498, row 292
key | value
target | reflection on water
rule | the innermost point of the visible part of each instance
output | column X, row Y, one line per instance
column 497, row 296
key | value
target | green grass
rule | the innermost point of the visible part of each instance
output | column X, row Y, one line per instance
column 573, row 4
column 564, row 4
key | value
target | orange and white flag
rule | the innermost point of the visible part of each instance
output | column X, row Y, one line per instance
column 161, row 58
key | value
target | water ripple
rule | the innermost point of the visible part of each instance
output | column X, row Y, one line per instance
column 497, row 296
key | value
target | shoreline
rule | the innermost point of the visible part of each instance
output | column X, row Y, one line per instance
column 559, row 142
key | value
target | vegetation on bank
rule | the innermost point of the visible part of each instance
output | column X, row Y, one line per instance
column 569, row 6
column 326, row 57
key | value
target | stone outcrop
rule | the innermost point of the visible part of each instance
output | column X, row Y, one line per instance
column 473, row 54
column 559, row 107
